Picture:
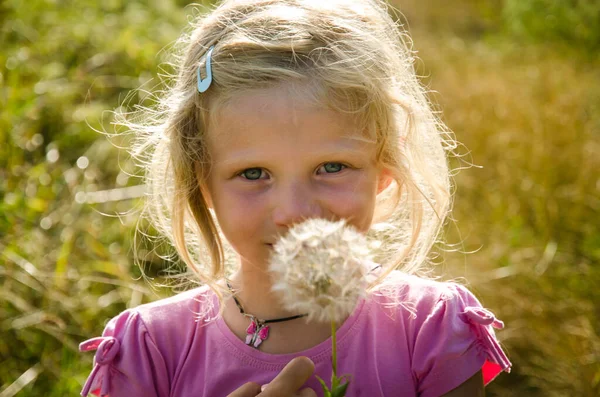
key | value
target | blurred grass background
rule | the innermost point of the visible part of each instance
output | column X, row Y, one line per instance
column 517, row 80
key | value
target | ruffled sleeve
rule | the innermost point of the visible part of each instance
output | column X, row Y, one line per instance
column 127, row 361
column 454, row 342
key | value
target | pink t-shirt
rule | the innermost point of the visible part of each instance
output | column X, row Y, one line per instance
column 419, row 338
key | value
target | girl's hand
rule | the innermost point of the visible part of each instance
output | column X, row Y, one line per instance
column 286, row 384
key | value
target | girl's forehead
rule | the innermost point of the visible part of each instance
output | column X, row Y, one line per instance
column 281, row 97
column 280, row 108
column 274, row 120
column 288, row 102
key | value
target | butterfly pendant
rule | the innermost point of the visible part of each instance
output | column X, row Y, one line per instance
column 256, row 332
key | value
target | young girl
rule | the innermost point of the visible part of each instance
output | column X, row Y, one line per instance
column 281, row 111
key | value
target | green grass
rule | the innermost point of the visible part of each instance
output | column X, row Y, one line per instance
column 520, row 92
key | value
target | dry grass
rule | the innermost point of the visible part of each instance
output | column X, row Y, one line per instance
column 529, row 115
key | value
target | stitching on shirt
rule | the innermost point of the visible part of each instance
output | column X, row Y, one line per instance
column 322, row 356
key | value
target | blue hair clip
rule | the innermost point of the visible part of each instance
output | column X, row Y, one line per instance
column 204, row 84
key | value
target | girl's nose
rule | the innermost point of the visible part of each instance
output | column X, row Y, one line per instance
column 295, row 203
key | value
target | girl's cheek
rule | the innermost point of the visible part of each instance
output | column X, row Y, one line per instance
column 245, row 206
column 354, row 201
column 353, row 193
column 248, row 199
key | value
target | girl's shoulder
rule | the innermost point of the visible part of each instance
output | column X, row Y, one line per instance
column 445, row 326
column 412, row 292
column 198, row 303
column 140, row 348
column 187, row 309
column 168, row 323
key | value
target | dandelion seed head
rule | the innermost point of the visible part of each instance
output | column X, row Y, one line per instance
column 320, row 268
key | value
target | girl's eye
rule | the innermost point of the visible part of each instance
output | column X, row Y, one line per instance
column 252, row 174
column 332, row 168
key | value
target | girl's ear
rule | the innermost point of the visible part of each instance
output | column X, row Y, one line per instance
column 203, row 186
column 384, row 180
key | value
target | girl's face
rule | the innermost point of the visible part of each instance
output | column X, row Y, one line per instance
column 278, row 160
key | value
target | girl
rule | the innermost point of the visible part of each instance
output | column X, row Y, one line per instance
column 281, row 111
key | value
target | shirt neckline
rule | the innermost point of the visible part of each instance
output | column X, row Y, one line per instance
column 320, row 352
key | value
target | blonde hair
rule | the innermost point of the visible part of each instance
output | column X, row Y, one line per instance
column 356, row 60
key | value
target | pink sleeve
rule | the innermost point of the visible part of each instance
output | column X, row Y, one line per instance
column 455, row 341
column 127, row 361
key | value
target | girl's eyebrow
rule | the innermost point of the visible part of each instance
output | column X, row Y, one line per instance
column 250, row 156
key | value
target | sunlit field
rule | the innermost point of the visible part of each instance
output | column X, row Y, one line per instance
column 517, row 81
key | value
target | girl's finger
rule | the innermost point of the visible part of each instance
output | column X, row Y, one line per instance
column 291, row 378
column 307, row 393
column 249, row 389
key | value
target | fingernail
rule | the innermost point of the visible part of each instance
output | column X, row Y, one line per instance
column 263, row 387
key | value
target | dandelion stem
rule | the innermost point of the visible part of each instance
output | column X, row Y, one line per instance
column 333, row 352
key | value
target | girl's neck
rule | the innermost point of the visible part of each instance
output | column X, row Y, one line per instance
column 253, row 290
